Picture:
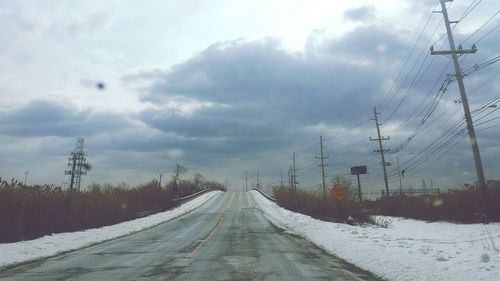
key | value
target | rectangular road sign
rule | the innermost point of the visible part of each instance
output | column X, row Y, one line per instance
column 358, row 170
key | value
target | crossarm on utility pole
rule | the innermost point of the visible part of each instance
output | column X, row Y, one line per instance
column 381, row 150
column 465, row 103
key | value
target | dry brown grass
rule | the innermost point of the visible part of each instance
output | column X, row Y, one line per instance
column 28, row 212
column 314, row 205
column 464, row 206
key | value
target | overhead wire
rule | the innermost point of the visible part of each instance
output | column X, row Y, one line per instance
column 412, row 85
column 446, row 141
column 469, row 9
column 481, row 27
column 448, row 137
column 382, row 101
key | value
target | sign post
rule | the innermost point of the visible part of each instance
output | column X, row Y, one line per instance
column 359, row 170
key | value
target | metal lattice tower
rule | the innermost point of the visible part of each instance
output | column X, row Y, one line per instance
column 77, row 165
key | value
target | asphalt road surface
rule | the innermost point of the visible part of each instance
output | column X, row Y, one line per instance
column 227, row 238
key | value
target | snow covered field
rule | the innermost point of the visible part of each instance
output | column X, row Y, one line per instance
column 49, row 245
column 407, row 250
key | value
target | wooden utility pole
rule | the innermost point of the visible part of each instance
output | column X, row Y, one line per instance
column 465, row 103
column 26, row 173
column 294, row 173
column 290, row 177
column 258, row 181
column 246, row 180
column 381, row 150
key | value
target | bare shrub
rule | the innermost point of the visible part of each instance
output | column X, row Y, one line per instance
column 383, row 222
column 314, row 205
column 468, row 205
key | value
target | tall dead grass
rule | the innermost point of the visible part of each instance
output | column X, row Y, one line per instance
column 314, row 205
column 463, row 206
column 28, row 212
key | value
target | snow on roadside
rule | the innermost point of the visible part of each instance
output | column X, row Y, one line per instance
column 49, row 245
column 407, row 250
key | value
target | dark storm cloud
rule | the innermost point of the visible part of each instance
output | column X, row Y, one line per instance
column 263, row 99
column 45, row 118
column 262, row 86
column 267, row 101
column 215, row 122
column 363, row 14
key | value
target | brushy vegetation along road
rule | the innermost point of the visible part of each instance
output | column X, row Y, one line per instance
column 314, row 205
column 29, row 212
column 33, row 211
column 461, row 206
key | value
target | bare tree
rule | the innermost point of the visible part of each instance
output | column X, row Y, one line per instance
column 178, row 171
column 198, row 180
column 346, row 184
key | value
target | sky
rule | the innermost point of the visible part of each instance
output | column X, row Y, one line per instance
column 225, row 87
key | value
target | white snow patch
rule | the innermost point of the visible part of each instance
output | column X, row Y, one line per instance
column 50, row 245
column 407, row 250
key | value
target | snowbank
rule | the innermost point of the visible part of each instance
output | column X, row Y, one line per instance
column 49, row 245
column 407, row 250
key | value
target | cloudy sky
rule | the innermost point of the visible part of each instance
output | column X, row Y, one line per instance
column 228, row 86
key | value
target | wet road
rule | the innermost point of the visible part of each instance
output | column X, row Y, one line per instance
column 227, row 238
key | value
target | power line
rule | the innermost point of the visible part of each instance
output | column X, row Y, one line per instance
column 348, row 130
column 446, row 138
column 409, row 119
column 481, row 27
column 381, row 150
column 487, row 34
column 402, row 146
column 437, row 145
column 432, row 106
column 406, row 60
column 488, row 127
column 470, row 126
column 468, row 10
column 416, row 78
column 412, row 85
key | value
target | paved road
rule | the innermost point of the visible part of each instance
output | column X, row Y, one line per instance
column 227, row 238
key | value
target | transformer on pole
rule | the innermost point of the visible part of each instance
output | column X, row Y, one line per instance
column 77, row 164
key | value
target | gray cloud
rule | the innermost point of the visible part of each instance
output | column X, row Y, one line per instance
column 259, row 79
column 45, row 118
column 367, row 45
column 264, row 98
column 248, row 104
column 363, row 14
